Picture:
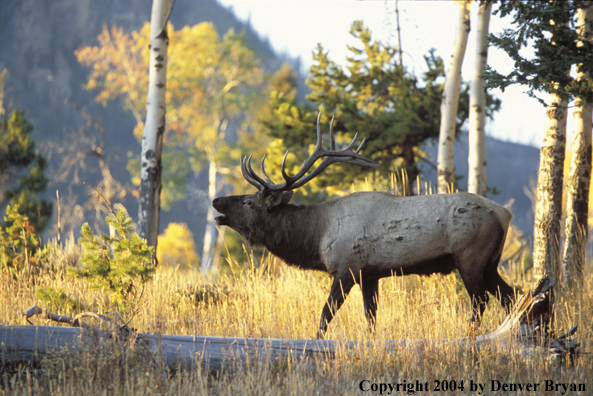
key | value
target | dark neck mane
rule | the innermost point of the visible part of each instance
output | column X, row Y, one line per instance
column 293, row 234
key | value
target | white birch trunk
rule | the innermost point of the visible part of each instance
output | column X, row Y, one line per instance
column 215, row 267
column 450, row 103
column 579, row 178
column 149, row 202
column 210, row 234
column 476, row 182
column 399, row 36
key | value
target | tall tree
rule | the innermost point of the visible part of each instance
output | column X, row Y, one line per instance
column 476, row 179
column 548, row 206
column 550, row 28
column 450, row 103
column 149, row 200
column 399, row 35
column 579, row 178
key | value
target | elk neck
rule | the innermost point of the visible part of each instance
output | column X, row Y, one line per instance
column 293, row 233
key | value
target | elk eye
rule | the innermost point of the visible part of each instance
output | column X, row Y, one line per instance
column 247, row 203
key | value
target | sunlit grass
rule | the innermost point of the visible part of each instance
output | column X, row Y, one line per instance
column 286, row 303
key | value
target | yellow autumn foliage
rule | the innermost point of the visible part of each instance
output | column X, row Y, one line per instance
column 177, row 247
column 208, row 77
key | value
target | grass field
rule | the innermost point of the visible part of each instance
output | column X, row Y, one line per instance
column 286, row 303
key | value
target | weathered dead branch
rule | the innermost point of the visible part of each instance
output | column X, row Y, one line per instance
column 525, row 332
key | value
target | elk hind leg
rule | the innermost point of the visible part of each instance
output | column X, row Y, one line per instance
column 370, row 297
column 337, row 294
column 499, row 288
column 476, row 288
column 494, row 282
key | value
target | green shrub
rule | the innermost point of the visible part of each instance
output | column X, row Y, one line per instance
column 119, row 264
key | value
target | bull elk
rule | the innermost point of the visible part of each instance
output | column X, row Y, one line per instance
column 363, row 237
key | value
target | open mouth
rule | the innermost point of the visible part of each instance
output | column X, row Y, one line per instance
column 220, row 220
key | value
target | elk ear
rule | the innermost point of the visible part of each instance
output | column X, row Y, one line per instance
column 286, row 195
column 276, row 198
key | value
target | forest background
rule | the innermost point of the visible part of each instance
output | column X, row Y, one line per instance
column 46, row 80
column 56, row 59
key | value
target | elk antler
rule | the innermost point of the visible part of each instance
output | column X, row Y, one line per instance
column 299, row 179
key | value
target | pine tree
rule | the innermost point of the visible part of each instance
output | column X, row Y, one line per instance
column 119, row 264
column 22, row 171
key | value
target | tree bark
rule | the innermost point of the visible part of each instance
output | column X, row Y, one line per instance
column 579, row 178
column 477, row 106
column 548, row 207
column 399, row 36
column 210, row 234
column 149, row 201
column 450, row 103
column 521, row 332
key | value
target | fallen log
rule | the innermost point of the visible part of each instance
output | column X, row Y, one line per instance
column 525, row 331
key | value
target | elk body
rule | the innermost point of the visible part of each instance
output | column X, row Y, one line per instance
column 366, row 236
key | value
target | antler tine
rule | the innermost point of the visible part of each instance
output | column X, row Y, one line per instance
column 360, row 145
column 319, row 142
column 263, row 171
column 255, row 175
column 283, row 170
column 251, row 176
column 332, row 142
column 247, row 175
column 318, row 152
column 352, row 142
column 324, row 164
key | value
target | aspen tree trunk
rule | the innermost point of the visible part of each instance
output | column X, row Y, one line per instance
column 215, row 267
column 450, row 103
column 399, row 37
column 548, row 207
column 477, row 106
column 210, row 234
column 579, row 178
column 149, row 202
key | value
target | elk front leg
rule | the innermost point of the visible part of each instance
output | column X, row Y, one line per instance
column 370, row 297
column 339, row 290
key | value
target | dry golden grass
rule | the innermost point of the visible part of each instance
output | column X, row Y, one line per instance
column 288, row 304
